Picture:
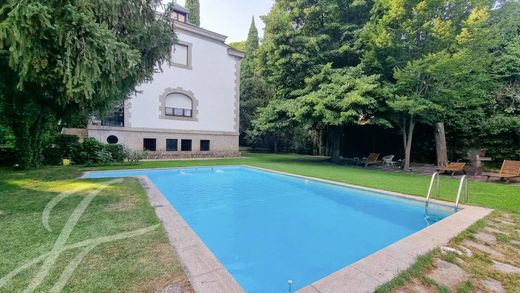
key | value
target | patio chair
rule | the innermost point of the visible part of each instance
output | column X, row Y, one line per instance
column 388, row 160
column 453, row 168
column 510, row 169
column 372, row 159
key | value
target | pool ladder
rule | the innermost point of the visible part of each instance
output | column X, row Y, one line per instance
column 463, row 185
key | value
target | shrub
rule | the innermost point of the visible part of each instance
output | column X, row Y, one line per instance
column 104, row 157
column 92, row 152
column 52, row 156
column 117, row 151
column 64, row 142
column 7, row 156
column 135, row 156
column 86, row 152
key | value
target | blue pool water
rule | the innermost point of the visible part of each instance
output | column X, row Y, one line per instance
column 267, row 228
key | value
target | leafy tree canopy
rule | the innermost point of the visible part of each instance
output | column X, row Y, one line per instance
column 63, row 58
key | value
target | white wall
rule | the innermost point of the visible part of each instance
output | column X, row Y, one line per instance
column 212, row 81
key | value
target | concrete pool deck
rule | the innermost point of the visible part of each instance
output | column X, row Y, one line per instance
column 207, row 274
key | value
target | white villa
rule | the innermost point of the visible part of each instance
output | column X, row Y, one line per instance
column 190, row 109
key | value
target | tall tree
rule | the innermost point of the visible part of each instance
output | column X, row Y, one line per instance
column 335, row 98
column 62, row 58
column 194, row 7
column 408, row 40
column 254, row 91
column 251, row 45
column 304, row 39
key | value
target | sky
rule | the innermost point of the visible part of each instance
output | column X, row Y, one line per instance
column 232, row 18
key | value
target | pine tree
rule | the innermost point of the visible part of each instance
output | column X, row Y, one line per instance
column 194, row 7
column 252, row 44
column 59, row 61
column 254, row 92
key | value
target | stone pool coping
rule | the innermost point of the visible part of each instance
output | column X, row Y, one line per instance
column 207, row 274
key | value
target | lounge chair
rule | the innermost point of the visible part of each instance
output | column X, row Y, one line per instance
column 510, row 169
column 453, row 168
column 388, row 160
column 372, row 159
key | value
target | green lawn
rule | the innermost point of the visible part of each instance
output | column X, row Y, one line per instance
column 142, row 263
column 493, row 195
column 146, row 262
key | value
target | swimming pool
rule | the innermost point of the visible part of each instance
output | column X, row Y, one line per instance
column 268, row 228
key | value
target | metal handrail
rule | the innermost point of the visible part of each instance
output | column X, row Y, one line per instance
column 435, row 175
column 463, row 184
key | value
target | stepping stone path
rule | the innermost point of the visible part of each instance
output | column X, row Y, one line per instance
column 446, row 249
column 496, row 231
column 493, row 285
column 482, row 248
column 505, row 268
column 467, row 251
column 486, row 237
column 505, row 221
column 448, row 274
column 494, row 277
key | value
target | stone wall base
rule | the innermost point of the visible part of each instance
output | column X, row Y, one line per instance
column 200, row 155
column 221, row 144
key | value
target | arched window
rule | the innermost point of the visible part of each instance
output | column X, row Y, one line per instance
column 177, row 104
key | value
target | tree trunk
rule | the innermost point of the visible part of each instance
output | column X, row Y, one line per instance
column 335, row 137
column 275, row 144
column 407, row 142
column 440, row 144
column 28, row 134
column 29, row 122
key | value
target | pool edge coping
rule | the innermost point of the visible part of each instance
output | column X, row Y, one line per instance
column 204, row 271
column 207, row 274
column 380, row 267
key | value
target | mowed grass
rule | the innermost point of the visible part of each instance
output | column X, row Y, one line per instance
column 142, row 263
column 497, row 195
column 146, row 262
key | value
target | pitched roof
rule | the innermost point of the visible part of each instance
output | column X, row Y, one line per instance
column 179, row 8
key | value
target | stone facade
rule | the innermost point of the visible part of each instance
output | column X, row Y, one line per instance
column 221, row 144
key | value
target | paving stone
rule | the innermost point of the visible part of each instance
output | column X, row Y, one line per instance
column 446, row 249
column 506, row 222
column 467, row 251
column 496, row 231
column 493, row 285
column 505, row 268
column 482, row 248
column 448, row 274
column 486, row 237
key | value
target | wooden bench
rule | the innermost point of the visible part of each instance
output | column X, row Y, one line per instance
column 510, row 169
column 453, row 168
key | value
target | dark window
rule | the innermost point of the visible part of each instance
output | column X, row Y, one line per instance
column 149, row 144
column 204, row 145
column 171, row 145
column 186, row 145
column 115, row 119
column 112, row 139
column 177, row 112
